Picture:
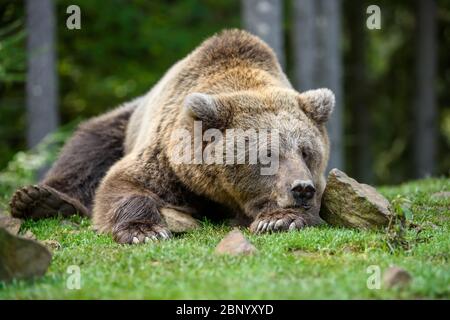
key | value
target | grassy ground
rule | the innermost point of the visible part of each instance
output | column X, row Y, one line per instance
column 314, row 263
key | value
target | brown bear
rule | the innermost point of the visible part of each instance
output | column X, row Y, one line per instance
column 123, row 167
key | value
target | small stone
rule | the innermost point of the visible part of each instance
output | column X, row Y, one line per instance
column 11, row 224
column 178, row 222
column 68, row 223
column 345, row 202
column 235, row 243
column 155, row 263
column 51, row 244
column 29, row 235
column 396, row 277
column 305, row 254
column 351, row 249
column 426, row 224
column 441, row 195
column 21, row 258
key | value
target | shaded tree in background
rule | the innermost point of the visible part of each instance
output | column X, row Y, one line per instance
column 141, row 39
column 264, row 18
column 425, row 112
column 41, row 88
column 123, row 48
column 318, row 63
column 360, row 113
column 12, row 79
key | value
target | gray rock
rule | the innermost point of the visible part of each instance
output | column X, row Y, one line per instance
column 179, row 222
column 21, row 258
column 345, row 202
column 396, row 277
column 305, row 254
column 52, row 245
column 235, row 243
column 441, row 195
column 29, row 235
column 68, row 223
column 11, row 224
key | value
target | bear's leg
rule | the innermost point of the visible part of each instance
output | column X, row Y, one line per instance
column 137, row 220
column 125, row 207
column 70, row 184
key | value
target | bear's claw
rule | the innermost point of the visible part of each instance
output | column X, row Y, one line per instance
column 277, row 222
column 136, row 233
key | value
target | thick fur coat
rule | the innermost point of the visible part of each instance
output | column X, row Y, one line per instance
column 127, row 157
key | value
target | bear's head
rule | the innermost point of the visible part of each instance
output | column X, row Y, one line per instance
column 257, row 150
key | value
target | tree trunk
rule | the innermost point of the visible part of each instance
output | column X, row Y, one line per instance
column 317, row 36
column 425, row 101
column 41, row 87
column 304, row 35
column 264, row 18
column 361, row 123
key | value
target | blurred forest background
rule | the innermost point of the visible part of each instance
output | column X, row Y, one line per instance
column 392, row 121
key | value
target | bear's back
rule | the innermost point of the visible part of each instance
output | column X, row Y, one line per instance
column 235, row 46
column 217, row 66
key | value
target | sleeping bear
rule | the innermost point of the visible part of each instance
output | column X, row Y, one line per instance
column 124, row 167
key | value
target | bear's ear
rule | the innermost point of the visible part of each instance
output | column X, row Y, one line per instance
column 204, row 107
column 317, row 104
column 200, row 105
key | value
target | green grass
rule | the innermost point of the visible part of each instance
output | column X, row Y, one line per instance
column 314, row 263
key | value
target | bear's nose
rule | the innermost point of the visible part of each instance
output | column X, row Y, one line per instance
column 303, row 189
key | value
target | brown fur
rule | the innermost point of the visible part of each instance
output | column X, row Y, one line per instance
column 69, row 186
column 246, row 88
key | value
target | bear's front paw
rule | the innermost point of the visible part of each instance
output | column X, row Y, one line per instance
column 277, row 221
column 135, row 233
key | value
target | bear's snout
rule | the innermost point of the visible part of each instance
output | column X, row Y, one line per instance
column 303, row 191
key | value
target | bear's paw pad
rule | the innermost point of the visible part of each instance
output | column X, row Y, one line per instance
column 36, row 201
